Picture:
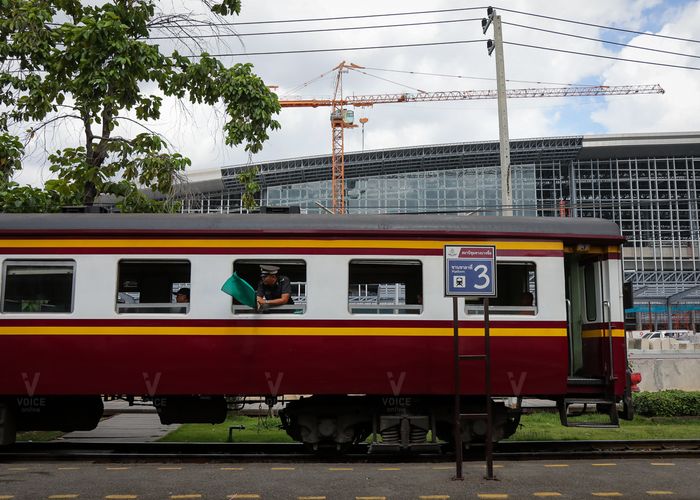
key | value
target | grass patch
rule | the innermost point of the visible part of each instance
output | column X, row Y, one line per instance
column 38, row 436
column 542, row 426
column 257, row 430
column 546, row 426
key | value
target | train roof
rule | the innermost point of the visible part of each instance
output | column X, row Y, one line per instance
column 413, row 226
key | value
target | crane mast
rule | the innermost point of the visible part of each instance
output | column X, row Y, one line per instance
column 342, row 118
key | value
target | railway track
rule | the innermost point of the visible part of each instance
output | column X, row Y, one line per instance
column 293, row 452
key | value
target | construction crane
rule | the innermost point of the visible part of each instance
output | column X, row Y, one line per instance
column 342, row 118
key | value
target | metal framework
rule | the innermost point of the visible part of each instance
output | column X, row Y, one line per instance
column 648, row 184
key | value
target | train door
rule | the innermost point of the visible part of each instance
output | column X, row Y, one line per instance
column 585, row 296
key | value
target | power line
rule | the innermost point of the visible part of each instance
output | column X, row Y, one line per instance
column 317, row 19
column 319, row 30
column 638, row 61
column 337, row 49
column 598, row 25
column 479, row 78
column 601, row 40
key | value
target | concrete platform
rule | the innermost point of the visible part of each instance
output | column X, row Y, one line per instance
column 124, row 428
column 628, row 478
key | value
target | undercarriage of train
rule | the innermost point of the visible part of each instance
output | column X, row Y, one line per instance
column 390, row 423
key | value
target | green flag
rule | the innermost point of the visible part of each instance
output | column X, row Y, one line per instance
column 240, row 289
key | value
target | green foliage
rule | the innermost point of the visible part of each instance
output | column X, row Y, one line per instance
column 671, row 403
column 94, row 67
column 11, row 151
column 249, row 180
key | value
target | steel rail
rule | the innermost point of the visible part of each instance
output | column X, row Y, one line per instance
column 295, row 452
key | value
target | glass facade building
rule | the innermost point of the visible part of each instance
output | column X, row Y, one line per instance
column 647, row 183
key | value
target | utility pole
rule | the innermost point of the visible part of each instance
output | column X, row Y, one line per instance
column 497, row 45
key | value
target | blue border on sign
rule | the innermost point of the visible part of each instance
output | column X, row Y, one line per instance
column 469, row 271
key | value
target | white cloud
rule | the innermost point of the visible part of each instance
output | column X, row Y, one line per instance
column 196, row 132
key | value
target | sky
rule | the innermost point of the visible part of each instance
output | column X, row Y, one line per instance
column 196, row 131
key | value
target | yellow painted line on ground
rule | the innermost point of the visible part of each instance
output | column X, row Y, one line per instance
column 659, row 492
column 663, row 464
column 117, row 468
column 6, row 497
column 336, row 469
column 311, row 498
column 231, row 468
column 606, row 494
column 184, row 497
column 495, row 466
column 121, row 497
column 244, row 495
column 282, row 468
column 58, row 497
column 492, row 495
column 603, row 465
column 556, row 465
column 169, row 468
column 544, row 494
column 370, row 498
column 390, row 468
column 434, row 497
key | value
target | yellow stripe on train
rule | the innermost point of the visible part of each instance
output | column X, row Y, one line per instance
column 272, row 243
column 279, row 331
column 592, row 334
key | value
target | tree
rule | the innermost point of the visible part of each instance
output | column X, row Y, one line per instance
column 249, row 180
column 92, row 69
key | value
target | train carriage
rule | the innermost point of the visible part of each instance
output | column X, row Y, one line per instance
column 87, row 310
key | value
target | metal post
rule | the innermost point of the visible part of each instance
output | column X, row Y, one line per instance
column 457, row 423
column 506, row 181
column 489, row 413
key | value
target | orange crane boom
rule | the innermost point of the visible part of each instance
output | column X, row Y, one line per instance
column 342, row 119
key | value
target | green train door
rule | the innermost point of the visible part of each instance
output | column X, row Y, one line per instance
column 584, row 291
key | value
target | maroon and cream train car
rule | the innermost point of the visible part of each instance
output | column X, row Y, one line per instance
column 88, row 309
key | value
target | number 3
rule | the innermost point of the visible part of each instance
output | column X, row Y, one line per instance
column 483, row 274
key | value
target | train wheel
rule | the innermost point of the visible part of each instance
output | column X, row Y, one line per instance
column 8, row 424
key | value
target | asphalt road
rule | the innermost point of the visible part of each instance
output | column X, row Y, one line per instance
column 629, row 478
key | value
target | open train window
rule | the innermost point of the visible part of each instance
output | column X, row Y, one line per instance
column 152, row 286
column 293, row 270
column 516, row 283
column 38, row 286
column 385, row 287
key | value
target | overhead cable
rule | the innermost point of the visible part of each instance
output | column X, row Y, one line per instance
column 620, row 44
column 337, row 49
column 638, row 61
column 582, row 23
column 307, row 31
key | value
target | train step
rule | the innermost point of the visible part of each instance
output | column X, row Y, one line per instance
column 602, row 406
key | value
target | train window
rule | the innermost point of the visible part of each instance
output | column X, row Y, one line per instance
column 516, row 283
column 589, row 284
column 291, row 274
column 385, row 287
column 38, row 286
column 152, row 286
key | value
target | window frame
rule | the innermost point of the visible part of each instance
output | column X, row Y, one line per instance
column 296, row 309
column 39, row 263
column 160, row 307
column 398, row 309
column 475, row 306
